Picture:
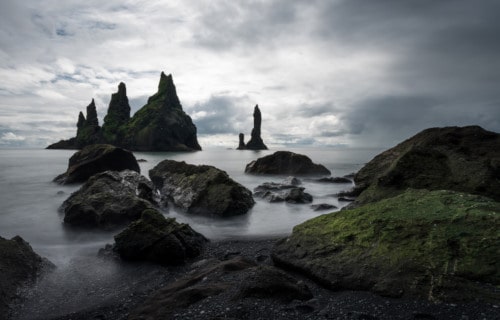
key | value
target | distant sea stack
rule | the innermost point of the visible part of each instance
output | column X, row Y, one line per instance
column 160, row 125
column 255, row 142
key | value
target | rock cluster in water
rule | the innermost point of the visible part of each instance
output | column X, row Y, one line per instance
column 286, row 163
column 255, row 142
column 160, row 125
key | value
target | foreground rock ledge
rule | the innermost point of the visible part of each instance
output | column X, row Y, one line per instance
column 94, row 159
column 436, row 245
column 201, row 189
column 286, row 163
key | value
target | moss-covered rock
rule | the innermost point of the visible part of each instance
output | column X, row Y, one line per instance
column 286, row 163
column 94, row 159
column 19, row 265
column 201, row 189
column 465, row 159
column 118, row 115
column 108, row 200
column 157, row 239
column 436, row 245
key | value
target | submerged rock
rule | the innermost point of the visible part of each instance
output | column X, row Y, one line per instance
column 323, row 206
column 201, row 189
column 19, row 265
column 435, row 245
column 285, row 191
column 465, row 159
column 285, row 162
column 109, row 200
column 94, row 159
column 157, row 239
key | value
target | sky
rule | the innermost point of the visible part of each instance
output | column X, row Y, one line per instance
column 333, row 73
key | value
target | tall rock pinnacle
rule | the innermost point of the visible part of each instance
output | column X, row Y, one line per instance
column 256, row 142
column 118, row 115
column 167, row 93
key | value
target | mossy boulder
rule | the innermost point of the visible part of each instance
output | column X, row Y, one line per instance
column 200, row 189
column 465, row 159
column 19, row 265
column 158, row 239
column 435, row 245
column 286, row 163
column 109, row 200
column 94, row 159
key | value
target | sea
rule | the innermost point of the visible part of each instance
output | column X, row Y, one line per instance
column 30, row 203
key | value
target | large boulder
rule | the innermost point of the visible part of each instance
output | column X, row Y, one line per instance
column 286, row 163
column 285, row 191
column 435, row 245
column 94, row 159
column 200, row 189
column 19, row 265
column 465, row 159
column 109, row 200
column 157, row 239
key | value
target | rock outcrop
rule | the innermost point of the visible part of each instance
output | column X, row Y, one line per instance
column 464, row 159
column 255, row 142
column 117, row 117
column 200, row 189
column 108, row 200
column 435, row 245
column 160, row 125
column 286, row 191
column 286, row 163
column 19, row 265
column 157, row 239
column 95, row 159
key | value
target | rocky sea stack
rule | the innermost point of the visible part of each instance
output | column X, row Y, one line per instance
column 256, row 142
column 160, row 125
column 465, row 159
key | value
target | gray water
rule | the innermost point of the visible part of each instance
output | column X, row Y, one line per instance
column 30, row 200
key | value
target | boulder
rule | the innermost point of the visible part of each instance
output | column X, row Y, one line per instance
column 279, row 192
column 94, row 159
column 109, row 200
column 465, row 159
column 286, row 163
column 157, row 239
column 200, row 189
column 435, row 245
column 19, row 265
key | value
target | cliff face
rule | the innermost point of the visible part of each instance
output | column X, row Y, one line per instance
column 160, row 125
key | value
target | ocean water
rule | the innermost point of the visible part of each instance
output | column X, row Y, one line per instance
column 30, row 200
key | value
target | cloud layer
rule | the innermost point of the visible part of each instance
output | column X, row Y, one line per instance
column 355, row 73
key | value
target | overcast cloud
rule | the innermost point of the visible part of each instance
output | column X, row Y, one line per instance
column 349, row 73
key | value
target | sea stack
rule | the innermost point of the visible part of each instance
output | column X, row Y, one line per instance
column 118, row 115
column 241, row 145
column 256, row 142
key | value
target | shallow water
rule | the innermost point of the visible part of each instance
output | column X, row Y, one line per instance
column 30, row 200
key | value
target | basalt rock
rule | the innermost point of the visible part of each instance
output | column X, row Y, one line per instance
column 465, row 159
column 255, row 142
column 19, row 265
column 160, row 125
column 434, row 245
column 241, row 145
column 158, row 239
column 95, row 159
column 109, row 200
column 285, row 191
column 200, row 189
column 286, row 163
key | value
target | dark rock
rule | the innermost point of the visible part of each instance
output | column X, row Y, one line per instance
column 201, row 189
column 279, row 192
column 285, row 162
column 465, row 159
column 335, row 180
column 94, row 159
column 344, row 199
column 256, row 142
column 419, row 244
column 292, row 181
column 118, row 115
column 323, row 206
column 157, row 239
column 241, row 145
column 19, row 266
column 108, row 200
column 160, row 125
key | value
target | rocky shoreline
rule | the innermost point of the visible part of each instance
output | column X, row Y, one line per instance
column 118, row 296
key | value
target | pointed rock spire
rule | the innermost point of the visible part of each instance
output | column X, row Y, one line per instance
column 256, row 142
column 92, row 120
column 117, row 116
column 241, row 145
column 167, row 93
